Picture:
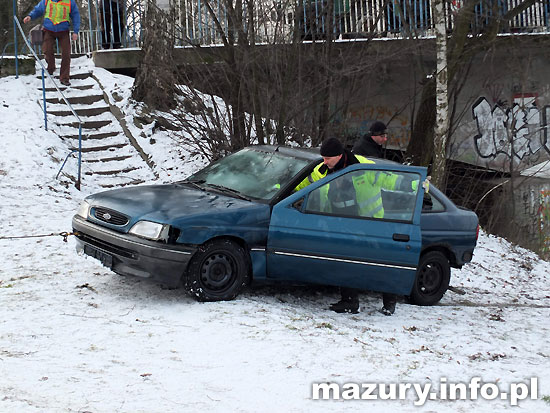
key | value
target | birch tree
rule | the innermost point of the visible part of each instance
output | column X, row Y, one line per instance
column 442, row 102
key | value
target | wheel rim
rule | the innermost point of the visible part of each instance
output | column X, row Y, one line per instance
column 430, row 279
column 218, row 272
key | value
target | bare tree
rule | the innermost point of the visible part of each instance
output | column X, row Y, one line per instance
column 301, row 87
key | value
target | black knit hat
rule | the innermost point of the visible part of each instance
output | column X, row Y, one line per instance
column 331, row 147
column 377, row 128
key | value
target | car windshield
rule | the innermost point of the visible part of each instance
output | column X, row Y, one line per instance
column 250, row 173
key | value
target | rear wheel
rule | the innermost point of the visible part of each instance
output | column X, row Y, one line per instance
column 218, row 271
column 432, row 279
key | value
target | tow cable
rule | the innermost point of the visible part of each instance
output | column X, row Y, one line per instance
column 65, row 235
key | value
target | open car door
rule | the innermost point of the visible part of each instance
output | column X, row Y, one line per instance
column 358, row 228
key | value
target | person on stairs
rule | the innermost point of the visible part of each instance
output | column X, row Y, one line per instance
column 58, row 16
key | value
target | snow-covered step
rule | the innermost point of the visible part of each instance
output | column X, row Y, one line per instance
column 72, row 76
column 87, row 124
column 94, row 135
column 89, row 99
column 117, row 158
column 113, row 171
column 112, row 151
column 115, row 161
column 102, row 116
column 131, row 178
column 63, row 106
column 82, row 112
column 65, row 130
column 63, row 88
column 77, row 88
column 100, row 148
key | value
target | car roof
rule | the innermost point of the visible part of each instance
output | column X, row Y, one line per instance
column 301, row 153
column 309, row 153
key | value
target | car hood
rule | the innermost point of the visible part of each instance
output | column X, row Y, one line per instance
column 168, row 204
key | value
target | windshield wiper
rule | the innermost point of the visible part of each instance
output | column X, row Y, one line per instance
column 221, row 188
column 195, row 184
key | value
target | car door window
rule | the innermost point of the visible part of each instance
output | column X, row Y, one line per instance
column 375, row 194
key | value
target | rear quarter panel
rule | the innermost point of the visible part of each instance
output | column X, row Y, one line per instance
column 454, row 229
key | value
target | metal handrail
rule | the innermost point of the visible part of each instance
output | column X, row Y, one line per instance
column 44, row 71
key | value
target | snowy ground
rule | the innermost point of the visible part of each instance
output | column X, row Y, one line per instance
column 75, row 337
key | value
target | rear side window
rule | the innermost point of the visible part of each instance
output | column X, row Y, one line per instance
column 432, row 204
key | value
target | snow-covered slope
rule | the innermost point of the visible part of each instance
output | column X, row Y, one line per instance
column 75, row 337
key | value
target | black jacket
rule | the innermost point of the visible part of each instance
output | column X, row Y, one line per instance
column 365, row 146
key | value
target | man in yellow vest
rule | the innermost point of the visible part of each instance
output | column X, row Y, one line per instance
column 58, row 15
column 361, row 198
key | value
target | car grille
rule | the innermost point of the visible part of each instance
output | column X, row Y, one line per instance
column 110, row 216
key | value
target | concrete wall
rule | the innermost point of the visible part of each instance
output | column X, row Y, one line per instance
column 502, row 115
column 26, row 66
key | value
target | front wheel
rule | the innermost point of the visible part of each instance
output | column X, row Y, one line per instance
column 218, row 271
column 432, row 279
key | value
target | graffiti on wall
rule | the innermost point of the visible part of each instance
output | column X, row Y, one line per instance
column 519, row 130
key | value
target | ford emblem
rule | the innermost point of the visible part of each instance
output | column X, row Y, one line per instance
column 107, row 216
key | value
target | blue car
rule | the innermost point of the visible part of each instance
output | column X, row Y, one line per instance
column 241, row 219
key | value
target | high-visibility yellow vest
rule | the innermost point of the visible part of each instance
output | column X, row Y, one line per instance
column 58, row 12
column 367, row 186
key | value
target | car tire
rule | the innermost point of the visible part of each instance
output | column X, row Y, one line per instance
column 432, row 279
column 218, row 271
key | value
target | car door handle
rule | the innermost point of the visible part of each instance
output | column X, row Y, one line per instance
column 401, row 237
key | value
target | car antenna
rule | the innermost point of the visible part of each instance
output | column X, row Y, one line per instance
column 271, row 157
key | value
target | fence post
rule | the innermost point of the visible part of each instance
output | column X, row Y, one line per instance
column 90, row 23
column 15, row 38
column 44, row 99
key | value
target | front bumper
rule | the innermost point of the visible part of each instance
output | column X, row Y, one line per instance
column 129, row 255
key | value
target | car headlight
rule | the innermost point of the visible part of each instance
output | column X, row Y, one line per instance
column 83, row 210
column 150, row 230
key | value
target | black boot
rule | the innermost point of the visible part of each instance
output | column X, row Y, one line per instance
column 389, row 301
column 349, row 302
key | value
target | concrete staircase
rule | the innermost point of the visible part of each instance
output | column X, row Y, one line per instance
column 108, row 156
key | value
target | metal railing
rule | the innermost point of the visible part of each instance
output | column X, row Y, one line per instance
column 45, row 72
column 118, row 23
column 114, row 24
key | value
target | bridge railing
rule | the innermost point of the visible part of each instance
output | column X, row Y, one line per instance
column 118, row 23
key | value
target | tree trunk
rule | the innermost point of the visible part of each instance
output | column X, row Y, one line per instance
column 420, row 148
column 442, row 102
